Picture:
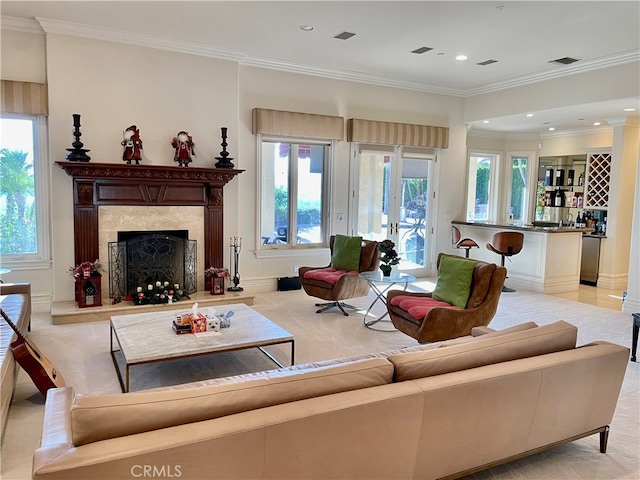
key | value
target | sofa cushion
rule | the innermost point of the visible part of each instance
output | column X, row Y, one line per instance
column 346, row 252
column 100, row 417
column 454, row 280
column 555, row 337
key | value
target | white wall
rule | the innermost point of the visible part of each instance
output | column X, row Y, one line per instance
column 271, row 89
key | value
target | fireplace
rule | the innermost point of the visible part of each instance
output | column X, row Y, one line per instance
column 106, row 185
column 142, row 258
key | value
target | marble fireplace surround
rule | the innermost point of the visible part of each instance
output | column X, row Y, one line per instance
column 110, row 197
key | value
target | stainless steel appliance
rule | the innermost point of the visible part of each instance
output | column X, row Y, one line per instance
column 590, row 260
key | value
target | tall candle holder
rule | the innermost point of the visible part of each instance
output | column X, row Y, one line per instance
column 235, row 246
column 77, row 153
column 223, row 161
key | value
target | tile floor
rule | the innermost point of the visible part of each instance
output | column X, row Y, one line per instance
column 601, row 297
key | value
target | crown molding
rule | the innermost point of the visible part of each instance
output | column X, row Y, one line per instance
column 128, row 38
column 24, row 25
column 580, row 67
column 603, row 129
column 47, row 25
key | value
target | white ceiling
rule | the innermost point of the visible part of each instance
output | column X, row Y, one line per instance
column 523, row 36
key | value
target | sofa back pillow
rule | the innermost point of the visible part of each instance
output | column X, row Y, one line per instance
column 555, row 337
column 100, row 417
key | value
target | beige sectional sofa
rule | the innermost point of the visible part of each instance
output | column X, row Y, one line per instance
column 15, row 300
column 430, row 411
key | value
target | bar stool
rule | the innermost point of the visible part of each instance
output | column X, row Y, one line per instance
column 458, row 242
column 506, row 244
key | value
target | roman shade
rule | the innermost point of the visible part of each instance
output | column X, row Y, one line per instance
column 299, row 125
column 389, row 133
column 24, row 97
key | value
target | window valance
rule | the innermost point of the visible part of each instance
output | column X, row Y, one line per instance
column 299, row 125
column 24, row 97
column 388, row 133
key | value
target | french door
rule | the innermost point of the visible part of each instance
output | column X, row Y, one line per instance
column 392, row 198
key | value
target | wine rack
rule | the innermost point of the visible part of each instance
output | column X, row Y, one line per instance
column 598, row 178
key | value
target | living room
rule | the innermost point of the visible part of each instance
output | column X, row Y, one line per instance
column 114, row 80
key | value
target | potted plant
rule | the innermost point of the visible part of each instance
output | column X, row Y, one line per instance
column 388, row 256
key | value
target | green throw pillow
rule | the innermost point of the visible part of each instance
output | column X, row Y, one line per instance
column 454, row 281
column 346, row 252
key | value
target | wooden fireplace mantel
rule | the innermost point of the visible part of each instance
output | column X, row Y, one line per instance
column 96, row 184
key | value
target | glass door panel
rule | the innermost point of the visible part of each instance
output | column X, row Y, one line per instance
column 374, row 195
column 414, row 206
column 393, row 203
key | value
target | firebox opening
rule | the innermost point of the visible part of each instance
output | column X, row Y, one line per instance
column 142, row 258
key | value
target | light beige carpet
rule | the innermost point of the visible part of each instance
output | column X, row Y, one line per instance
column 81, row 352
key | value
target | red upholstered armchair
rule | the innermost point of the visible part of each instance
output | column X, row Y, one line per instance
column 427, row 319
column 334, row 284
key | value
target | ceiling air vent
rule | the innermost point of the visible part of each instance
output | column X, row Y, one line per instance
column 564, row 60
column 421, row 50
column 487, row 62
column 344, row 36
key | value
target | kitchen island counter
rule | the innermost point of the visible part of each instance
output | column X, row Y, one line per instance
column 548, row 263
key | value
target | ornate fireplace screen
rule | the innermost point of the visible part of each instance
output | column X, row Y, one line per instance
column 139, row 259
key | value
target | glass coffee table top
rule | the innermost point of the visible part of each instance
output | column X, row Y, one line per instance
column 379, row 284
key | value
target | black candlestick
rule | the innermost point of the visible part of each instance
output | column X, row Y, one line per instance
column 223, row 161
column 77, row 153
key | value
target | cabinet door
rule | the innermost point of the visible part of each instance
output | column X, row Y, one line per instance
column 598, row 176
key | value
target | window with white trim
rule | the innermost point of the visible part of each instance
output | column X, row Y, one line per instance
column 294, row 192
column 482, row 187
column 24, row 209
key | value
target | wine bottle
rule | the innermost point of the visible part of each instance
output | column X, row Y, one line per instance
column 557, row 199
column 581, row 179
column 559, row 177
column 548, row 177
column 570, row 175
column 578, row 221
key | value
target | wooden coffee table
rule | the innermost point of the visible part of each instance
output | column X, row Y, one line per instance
column 148, row 337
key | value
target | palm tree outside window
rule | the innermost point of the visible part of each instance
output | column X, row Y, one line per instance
column 23, row 190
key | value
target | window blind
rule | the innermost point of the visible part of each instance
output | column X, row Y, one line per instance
column 388, row 133
column 298, row 125
column 24, row 97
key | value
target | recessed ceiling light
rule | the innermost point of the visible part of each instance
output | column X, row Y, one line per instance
column 485, row 121
column 461, row 57
column 551, row 129
column 629, row 109
column 596, row 124
column 306, row 28
column 529, row 114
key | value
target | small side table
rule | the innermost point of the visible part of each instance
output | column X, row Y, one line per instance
column 634, row 339
column 374, row 278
